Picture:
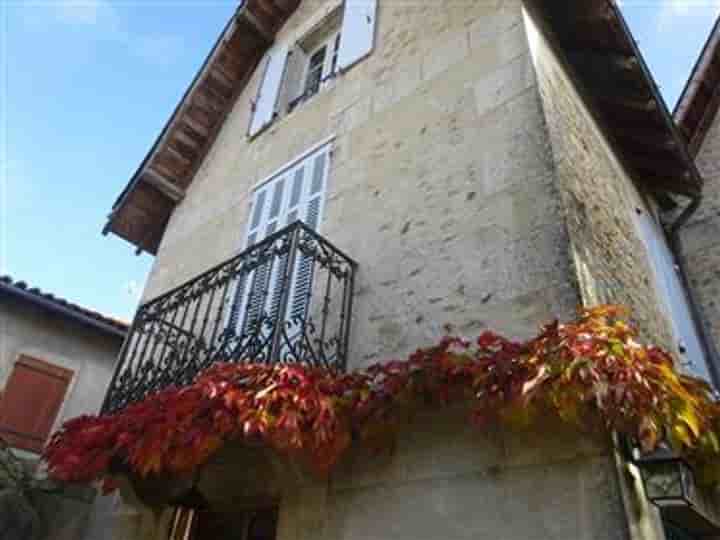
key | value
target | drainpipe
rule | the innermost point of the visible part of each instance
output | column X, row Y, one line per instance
column 672, row 232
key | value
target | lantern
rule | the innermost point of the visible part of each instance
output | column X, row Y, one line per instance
column 670, row 485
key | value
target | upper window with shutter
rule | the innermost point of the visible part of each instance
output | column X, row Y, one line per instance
column 30, row 402
column 294, row 72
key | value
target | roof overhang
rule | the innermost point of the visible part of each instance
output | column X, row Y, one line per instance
column 698, row 105
column 141, row 212
column 609, row 69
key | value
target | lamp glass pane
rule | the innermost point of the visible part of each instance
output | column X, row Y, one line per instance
column 664, row 480
column 688, row 480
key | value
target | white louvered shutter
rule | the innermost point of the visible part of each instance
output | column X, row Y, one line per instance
column 310, row 212
column 266, row 101
column 247, row 284
column 357, row 36
column 295, row 72
column 673, row 294
column 262, row 290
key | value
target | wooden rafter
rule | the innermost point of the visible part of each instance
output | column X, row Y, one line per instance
column 608, row 68
column 170, row 166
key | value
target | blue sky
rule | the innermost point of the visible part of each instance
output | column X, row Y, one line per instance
column 670, row 34
column 87, row 86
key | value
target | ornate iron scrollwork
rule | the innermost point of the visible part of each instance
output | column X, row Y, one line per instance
column 286, row 299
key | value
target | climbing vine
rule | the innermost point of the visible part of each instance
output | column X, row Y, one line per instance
column 591, row 373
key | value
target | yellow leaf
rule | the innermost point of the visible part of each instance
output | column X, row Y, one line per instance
column 617, row 348
column 681, row 435
column 688, row 416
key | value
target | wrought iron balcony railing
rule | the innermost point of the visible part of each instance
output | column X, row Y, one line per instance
column 286, row 299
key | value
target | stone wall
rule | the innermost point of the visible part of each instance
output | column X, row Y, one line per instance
column 441, row 184
column 599, row 199
column 700, row 237
column 445, row 479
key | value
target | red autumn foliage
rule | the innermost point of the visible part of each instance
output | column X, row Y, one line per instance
column 589, row 373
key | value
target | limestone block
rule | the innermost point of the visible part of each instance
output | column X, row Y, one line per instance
column 495, row 24
column 444, row 53
column 503, row 84
column 408, row 76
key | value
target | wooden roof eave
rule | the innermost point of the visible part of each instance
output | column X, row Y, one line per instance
column 700, row 99
column 172, row 162
column 607, row 66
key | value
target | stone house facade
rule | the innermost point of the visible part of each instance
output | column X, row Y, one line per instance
column 698, row 240
column 488, row 164
column 56, row 360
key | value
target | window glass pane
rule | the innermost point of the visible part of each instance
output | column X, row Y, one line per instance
column 318, row 58
column 315, row 72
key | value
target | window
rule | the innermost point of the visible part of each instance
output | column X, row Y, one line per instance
column 31, row 401
column 673, row 295
column 316, row 71
column 320, row 67
column 293, row 72
column 296, row 192
column 257, row 524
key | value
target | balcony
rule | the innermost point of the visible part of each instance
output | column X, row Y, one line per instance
column 287, row 299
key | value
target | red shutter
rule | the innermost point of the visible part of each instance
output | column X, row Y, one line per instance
column 31, row 401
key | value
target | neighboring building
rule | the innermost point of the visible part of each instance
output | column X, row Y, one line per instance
column 56, row 360
column 698, row 242
column 475, row 164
